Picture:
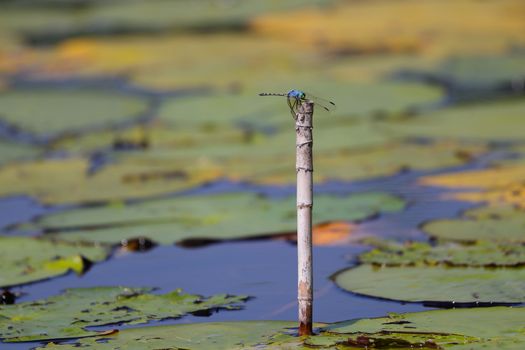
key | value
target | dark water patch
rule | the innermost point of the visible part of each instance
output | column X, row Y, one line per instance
column 264, row 270
column 14, row 210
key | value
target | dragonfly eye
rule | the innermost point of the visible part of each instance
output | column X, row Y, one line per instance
column 302, row 96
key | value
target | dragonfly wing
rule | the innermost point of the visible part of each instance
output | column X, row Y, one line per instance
column 325, row 104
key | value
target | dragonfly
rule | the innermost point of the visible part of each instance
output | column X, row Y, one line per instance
column 295, row 97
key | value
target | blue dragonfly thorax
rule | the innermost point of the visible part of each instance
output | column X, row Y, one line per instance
column 297, row 94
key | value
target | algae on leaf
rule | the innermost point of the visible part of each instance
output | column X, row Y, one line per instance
column 68, row 315
column 437, row 284
column 25, row 259
column 218, row 216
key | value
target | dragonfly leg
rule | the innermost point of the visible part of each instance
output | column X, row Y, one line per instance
column 292, row 103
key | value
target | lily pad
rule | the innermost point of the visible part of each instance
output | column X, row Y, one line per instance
column 26, row 260
column 350, row 164
column 366, row 100
column 491, row 323
column 57, row 181
column 494, row 122
column 482, row 71
column 214, row 217
column 450, row 254
column 10, row 151
column 56, row 22
column 438, row 284
column 505, row 225
column 54, row 111
column 68, row 315
column 366, row 28
column 499, row 185
column 442, row 329
column 153, row 137
column 491, row 178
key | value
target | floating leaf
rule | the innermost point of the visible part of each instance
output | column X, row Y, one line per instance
column 482, row 71
column 12, row 151
column 68, row 180
column 346, row 152
column 53, row 111
column 367, row 100
column 493, row 121
column 350, row 164
column 504, row 225
column 49, row 23
column 480, row 179
column 491, row 323
column 212, row 217
column 154, row 137
column 441, row 329
column 331, row 233
column 25, row 260
column 437, row 284
column 367, row 28
column 450, row 254
column 499, row 185
column 67, row 315
column 513, row 194
column 223, row 336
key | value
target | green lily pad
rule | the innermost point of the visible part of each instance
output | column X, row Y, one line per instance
column 365, row 100
column 483, row 70
column 350, row 164
column 53, row 23
column 213, row 217
column 220, row 336
column 10, row 151
column 26, row 260
column 438, row 284
column 481, row 253
column 152, row 138
column 493, row 121
column 54, row 111
column 441, row 329
column 57, row 181
column 497, row 224
column 279, row 146
column 491, row 323
column 67, row 315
